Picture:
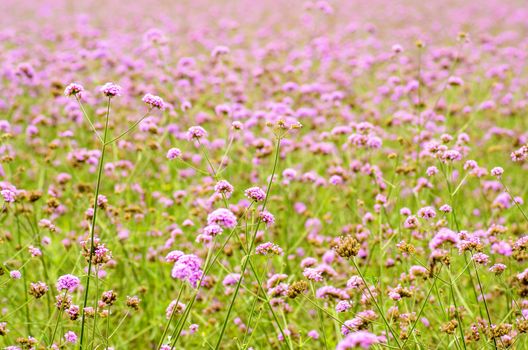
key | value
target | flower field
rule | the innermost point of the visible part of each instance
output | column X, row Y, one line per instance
column 204, row 174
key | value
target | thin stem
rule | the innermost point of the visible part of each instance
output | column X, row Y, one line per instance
column 179, row 326
column 119, row 325
column 26, row 303
column 421, row 310
column 219, row 170
column 460, row 328
column 59, row 316
column 376, row 303
column 248, row 256
column 88, row 119
column 92, row 229
column 107, row 327
column 96, row 305
column 483, row 298
column 514, row 201
column 129, row 129
column 215, row 174
column 453, row 206
column 171, row 317
column 321, row 319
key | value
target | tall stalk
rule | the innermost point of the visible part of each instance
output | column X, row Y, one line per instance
column 181, row 322
column 252, row 242
column 92, row 229
column 376, row 303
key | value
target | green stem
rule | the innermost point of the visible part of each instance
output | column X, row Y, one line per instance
column 92, row 229
column 181, row 322
column 171, row 317
column 96, row 305
column 514, row 201
column 483, row 298
column 248, row 256
column 26, row 303
column 88, row 119
column 59, row 316
column 460, row 325
column 376, row 303
column 128, row 130
column 421, row 310
column 321, row 319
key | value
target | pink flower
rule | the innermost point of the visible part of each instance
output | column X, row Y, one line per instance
column 68, row 282
column 362, row 339
column 196, row 132
column 111, row 90
column 154, row 101
column 70, row 337
column 73, row 89
column 222, row 217
column 15, row 274
column 255, row 193
column 174, row 153
column 497, row 171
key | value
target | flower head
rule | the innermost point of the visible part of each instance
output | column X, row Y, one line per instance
column 174, row 153
column 111, row 90
column 222, row 217
column 255, row 193
column 196, row 132
column 68, row 282
column 70, row 337
column 154, row 101
column 73, row 89
column 497, row 171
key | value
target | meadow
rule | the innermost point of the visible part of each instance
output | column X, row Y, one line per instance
column 205, row 174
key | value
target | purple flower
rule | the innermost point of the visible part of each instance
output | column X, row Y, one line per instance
column 268, row 248
column 255, row 193
column 497, row 171
column 187, row 268
column 224, row 187
column 313, row 274
column 313, row 334
column 427, row 213
column 154, row 101
column 174, row 153
column 111, row 90
column 73, row 89
column 267, row 218
column 68, row 282
column 196, row 132
column 222, row 217
column 231, row 279
column 497, row 269
column 9, row 196
column 15, row 274
column 362, row 339
column 70, row 337
column 212, row 230
column 481, row 258
column 172, row 308
column 343, row 306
